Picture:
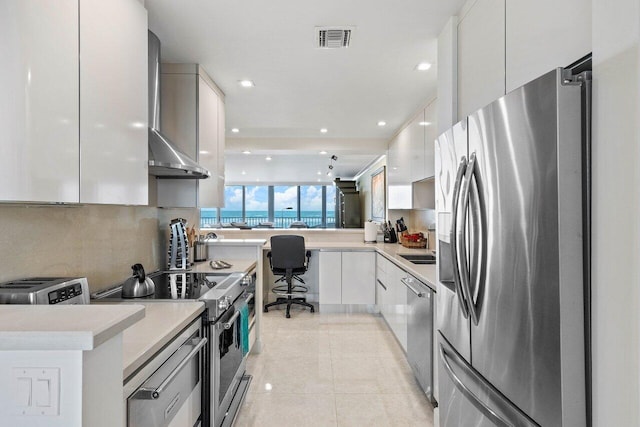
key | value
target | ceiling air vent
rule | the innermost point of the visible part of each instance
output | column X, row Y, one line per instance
column 333, row 37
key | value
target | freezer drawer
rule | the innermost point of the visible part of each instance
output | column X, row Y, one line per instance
column 467, row 399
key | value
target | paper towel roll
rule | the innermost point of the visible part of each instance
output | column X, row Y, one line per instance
column 370, row 231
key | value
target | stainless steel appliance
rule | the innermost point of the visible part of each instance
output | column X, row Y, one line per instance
column 167, row 391
column 347, row 211
column 511, row 195
column 226, row 324
column 45, row 290
column 165, row 159
column 420, row 332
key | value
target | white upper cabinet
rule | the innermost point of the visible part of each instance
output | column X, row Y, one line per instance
column 192, row 113
column 481, row 62
column 430, row 135
column 416, row 147
column 411, row 157
column 39, row 143
column 74, row 101
column 113, row 102
column 209, row 111
column 543, row 35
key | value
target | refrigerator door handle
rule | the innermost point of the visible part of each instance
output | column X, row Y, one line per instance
column 452, row 236
column 479, row 242
column 462, row 240
column 475, row 400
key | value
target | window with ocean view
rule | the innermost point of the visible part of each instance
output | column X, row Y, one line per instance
column 275, row 206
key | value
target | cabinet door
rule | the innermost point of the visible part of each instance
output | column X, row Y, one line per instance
column 39, row 83
column 113, row 102
column 431, row 133
column 544, row 35
column 178, row 121
column 208, row 109
column 221, row 147
column 381, row 277
column 330, row 277
column 398, row 305
column 416, row 147
column 481, row 40
column 358, row 278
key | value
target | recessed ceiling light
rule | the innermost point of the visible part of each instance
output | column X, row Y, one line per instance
column 382, row 123
column 257, row 179
column 268, row 158
column 235, row 130
column 323, row 130
column 425, row 123
column 329, row 173
column 244, row 173
column 246, row 152
column 319, row 173
column 204, row 152
column 323, row 152
column 319, row 180
column 246, row 83
column 423, row 66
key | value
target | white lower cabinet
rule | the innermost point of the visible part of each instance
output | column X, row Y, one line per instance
column 392, row 298
column 347, row 277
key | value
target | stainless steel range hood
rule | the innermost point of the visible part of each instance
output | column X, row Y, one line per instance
column 165, row 159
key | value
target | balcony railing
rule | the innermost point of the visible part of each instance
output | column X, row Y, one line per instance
column 312, row 222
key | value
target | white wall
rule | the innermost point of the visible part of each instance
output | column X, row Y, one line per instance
column 616, row 212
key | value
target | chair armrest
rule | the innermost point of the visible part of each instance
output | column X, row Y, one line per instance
column 270, row 264
column 308, row 255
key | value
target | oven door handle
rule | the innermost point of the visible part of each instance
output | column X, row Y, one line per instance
column 154, row 393
column 249, row 297
column 229, row 323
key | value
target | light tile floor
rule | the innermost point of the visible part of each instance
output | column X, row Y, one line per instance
column 331, row 370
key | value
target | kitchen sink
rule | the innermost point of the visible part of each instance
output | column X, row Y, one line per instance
column 419, row 259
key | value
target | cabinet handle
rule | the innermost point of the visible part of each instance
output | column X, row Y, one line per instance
column 152, row 394
column 381, row 284
column 420, row 294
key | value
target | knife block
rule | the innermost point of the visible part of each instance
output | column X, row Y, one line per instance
column 390, row 236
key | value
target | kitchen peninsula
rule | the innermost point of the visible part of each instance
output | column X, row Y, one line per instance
column 63, row 362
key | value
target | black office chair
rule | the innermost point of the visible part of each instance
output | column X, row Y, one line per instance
column 289, row 260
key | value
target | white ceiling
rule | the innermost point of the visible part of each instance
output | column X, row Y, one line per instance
column 299, row 88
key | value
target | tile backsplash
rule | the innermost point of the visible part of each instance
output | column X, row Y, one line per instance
column 100, row 242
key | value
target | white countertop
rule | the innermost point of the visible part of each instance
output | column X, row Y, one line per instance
column 392, row 251
column 163, row 321
column 237, row 266
column 64, row 327
column 236, row 242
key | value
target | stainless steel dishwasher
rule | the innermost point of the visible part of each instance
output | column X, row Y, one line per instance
column 420, row 332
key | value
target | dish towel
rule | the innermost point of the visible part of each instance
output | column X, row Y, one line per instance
column 244, row 327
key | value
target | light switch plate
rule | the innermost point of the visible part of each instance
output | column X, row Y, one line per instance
column 36, row 391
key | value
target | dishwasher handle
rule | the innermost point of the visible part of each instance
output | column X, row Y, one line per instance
column 154, row 393
column 419, row 293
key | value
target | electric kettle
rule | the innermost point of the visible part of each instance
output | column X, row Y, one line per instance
column 138, row 285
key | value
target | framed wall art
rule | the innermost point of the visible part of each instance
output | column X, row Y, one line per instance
column 378, row 195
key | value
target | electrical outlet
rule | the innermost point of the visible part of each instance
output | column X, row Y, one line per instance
column 36, row 391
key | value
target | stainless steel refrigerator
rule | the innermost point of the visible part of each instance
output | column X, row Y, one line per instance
column 511, row 200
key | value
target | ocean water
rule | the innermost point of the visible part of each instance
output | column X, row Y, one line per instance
column 264, row 214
